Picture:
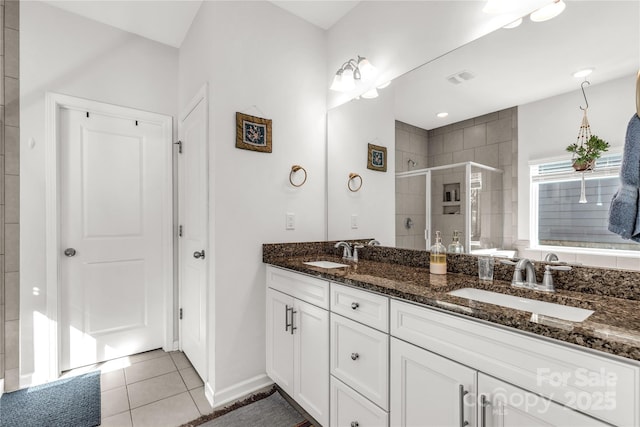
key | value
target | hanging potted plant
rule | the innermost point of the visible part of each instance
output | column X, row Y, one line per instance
column 587, row 152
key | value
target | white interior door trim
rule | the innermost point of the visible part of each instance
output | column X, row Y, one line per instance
column 54, row 102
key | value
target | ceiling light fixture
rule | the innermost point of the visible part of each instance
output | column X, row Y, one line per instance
column 442, row 115
column 370, row 94
column 351, row 71
column 549, row 11
column 582, row 73
column 514, row 24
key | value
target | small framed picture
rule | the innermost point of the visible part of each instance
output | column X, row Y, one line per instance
column 377, row 158
column 253, row 133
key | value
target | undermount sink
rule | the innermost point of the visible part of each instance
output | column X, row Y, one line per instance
column 558, row 311
column 325, row 264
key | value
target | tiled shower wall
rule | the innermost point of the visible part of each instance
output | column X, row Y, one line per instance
column 411, row 147
column 9, row 194
column 492, row 140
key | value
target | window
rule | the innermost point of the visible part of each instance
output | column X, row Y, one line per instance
column 557, row 216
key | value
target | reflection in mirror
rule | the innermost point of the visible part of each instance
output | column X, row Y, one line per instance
column 462, row 201
column 499, row 116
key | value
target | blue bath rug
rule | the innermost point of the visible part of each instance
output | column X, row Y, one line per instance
column 70, row 402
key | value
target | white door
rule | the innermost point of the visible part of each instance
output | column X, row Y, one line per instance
column 311, row 359
column 280, row 339
column 504, row 405
column 193, row 190
column 429, row 390
column 113, row 191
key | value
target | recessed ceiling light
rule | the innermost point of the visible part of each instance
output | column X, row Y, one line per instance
column 583, row 73
column 514, row 24
column 442, row 115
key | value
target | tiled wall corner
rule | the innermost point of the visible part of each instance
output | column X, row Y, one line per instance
column 491, row 139
column 10, row 193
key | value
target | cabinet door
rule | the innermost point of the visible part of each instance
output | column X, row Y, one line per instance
column 429, row 390
column 311, row 360
column 280, row 339
column 504, row 405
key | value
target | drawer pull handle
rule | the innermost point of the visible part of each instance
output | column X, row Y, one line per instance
column 355, row 424
column 355, row 356
column 354, row 305
column 463, row 393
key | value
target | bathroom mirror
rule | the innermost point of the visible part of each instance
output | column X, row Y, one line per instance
column 480, row 86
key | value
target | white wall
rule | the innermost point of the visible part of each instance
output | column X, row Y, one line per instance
column 254, row 54
column 351, row 127
column 65, row 53
column 546, row 127
column 398, row 36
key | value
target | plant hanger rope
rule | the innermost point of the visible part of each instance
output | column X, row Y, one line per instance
column 584, row 134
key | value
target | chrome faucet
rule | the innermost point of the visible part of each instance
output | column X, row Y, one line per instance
column 349, row 253
column 346, row 252
column 373, row 242
column 530, row 274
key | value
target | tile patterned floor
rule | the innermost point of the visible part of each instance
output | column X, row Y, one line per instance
column 149, row 389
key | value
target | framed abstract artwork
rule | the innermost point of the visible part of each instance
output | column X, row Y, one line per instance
column 377, row 158
column 253, row 133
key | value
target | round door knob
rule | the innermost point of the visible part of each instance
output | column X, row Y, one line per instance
column 354, row 305
column 355, row 356
column 69, row 252
column 198, row 254
column 355, row 424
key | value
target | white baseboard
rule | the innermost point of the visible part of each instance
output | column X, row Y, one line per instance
column 239, row 390
column 208, row 393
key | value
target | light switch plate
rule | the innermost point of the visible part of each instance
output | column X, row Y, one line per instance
column 354, row 221
column 290, row 222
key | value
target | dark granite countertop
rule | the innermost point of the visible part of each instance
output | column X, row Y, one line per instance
column 614, row 327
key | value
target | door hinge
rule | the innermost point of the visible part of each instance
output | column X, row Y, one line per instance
column 180, row 314
column 179, row 144
column 180, row 231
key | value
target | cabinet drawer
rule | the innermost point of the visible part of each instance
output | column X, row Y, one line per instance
column 349, row 409
column 305, row 288
column 360, row 358
column 361, row 306
column 577, row 378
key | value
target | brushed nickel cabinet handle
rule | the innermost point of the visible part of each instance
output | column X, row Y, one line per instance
column 355, row 356
column 354, row 305
column 463, row 393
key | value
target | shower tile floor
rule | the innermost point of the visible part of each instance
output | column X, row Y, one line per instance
column 149, row 389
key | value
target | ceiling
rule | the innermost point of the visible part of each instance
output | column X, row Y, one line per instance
column 526, row 64
column 168, row 21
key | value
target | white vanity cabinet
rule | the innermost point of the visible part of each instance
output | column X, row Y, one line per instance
column 427, row 389
column 591, row 385
column 355, row 358
column 298, row 339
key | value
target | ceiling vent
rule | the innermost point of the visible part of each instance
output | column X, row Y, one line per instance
column 460, row 77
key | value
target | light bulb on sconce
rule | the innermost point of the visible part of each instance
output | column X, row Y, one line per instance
column 351, row 72
column 370, row 94
column 514, row 24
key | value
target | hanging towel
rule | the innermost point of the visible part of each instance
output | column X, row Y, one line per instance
column 624, row 213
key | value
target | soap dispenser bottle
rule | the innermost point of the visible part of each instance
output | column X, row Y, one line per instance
column 456, row 247
column 438, row 257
